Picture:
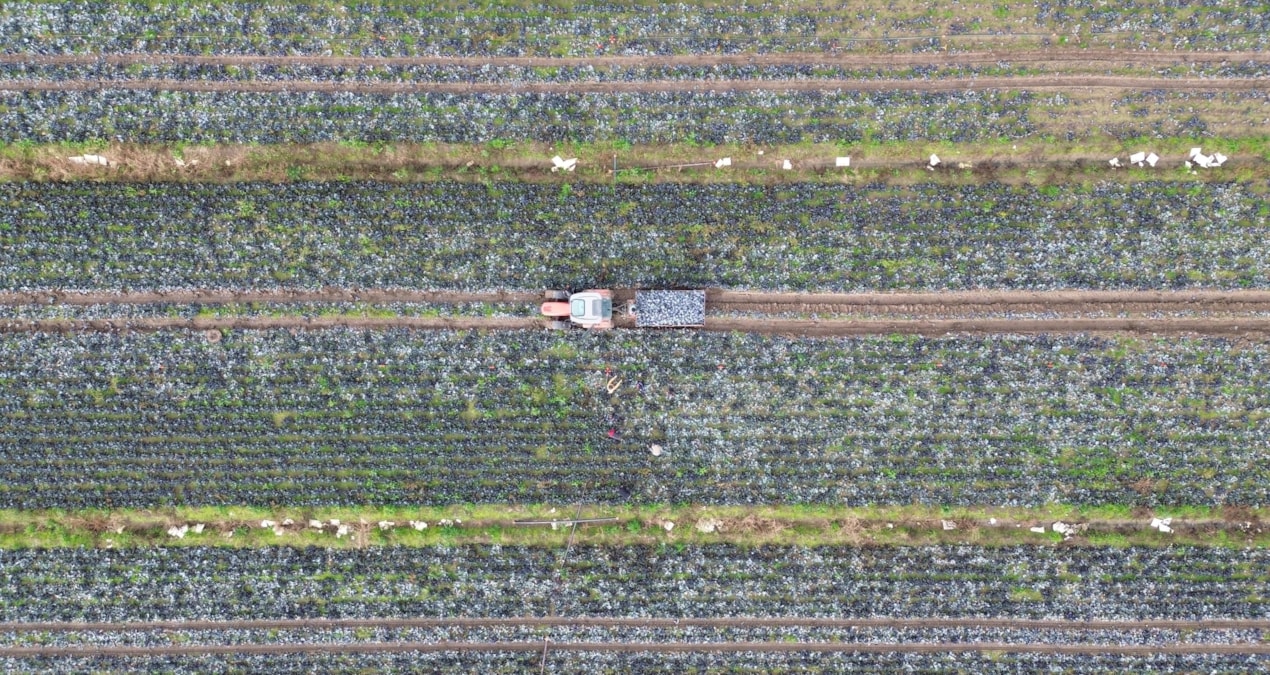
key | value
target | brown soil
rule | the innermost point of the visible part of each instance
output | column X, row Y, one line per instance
column 1257, row 328
column 637, row 647
column 1107, row 57
column 1220, row 312
column 1035, row 83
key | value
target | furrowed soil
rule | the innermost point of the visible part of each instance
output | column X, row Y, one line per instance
column 1220, row 313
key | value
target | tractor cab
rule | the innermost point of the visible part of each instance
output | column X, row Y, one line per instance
column 588, row 309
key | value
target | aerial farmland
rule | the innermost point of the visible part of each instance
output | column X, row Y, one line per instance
column 508, row 337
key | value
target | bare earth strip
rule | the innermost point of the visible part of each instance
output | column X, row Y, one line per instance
column 1033, row 83
column 635, row 647
column 637, row 622
column 1104, row 57
column 1228, row 313
column 1069, row 300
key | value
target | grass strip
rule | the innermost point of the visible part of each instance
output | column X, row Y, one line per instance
column 245, row 526
column 1034, row 161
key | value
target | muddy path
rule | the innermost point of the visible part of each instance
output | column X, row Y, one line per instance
column 1219, row 313
column 641, row 622
column 1067, row 300
column 634, row 647
column 1018, row 83
column 1100, row 57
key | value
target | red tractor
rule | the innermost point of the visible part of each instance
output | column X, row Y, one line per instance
column 591, row 309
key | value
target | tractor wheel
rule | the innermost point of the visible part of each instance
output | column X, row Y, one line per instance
column 557, row 325
column 557, row 295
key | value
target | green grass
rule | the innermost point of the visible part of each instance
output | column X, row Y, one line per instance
column 816, row 525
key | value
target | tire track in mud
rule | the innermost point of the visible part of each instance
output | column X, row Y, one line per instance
column 872, row 313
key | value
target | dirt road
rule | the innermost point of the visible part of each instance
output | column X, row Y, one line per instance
column 1221, row 313
column 1028, row 82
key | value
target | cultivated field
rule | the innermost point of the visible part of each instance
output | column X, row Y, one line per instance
column 275, row 393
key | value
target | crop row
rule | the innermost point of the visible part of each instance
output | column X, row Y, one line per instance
column 396, row 417
column 668, row 664
column 515, row 74
column 393, row 28
column 668, row 580
column 629, row 634
column 530, row 236
column 717, row 116
column 647, row 117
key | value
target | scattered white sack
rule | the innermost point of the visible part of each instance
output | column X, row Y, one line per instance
column 1038, row 530
column 1194, row 151
column 668, row 525
column 992, row 521
column 655, row 450
column 1204, row 161
column 335, row 522
column 267, row 523
column 91, row 159
column 1138, row 157
column 315, row 524
column 708, row 525
column 341, row 532
column 1061, row 527
column 1219, row 159
column 948, row 524
column 890, row 526
column 934, row 159
column 842, row 161
column 561, row 164
column 178, row 532
column 1188, row 164
column 198, row 529
column 288, row 521
column 386, row 524
column 787, row 165
column 1114, row 161
column 720, row 163
column 1162, row 524
column 1152, row 159
column 419, row 524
